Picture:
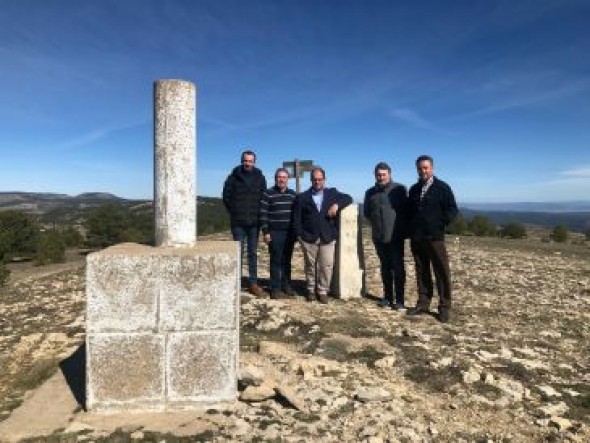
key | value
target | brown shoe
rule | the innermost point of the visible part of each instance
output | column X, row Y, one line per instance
column 256, row 291
column 323, row 298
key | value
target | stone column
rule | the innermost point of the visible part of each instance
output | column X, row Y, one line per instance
column 175, row 163
column 348, row 276
column 162, row 324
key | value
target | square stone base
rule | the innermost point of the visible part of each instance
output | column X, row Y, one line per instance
column 162, row 326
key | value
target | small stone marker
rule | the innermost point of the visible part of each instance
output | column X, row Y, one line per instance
column 162, row 323
column 347, row 281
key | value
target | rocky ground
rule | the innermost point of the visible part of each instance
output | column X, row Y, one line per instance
column 513, row 364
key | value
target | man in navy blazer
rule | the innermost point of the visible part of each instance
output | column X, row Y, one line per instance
column 315, row 222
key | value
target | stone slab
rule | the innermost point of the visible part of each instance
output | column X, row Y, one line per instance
column 125, row 370
column 201, row 367
column 135, row 288
column 348, row 276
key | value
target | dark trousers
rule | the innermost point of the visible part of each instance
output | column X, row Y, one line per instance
column 393, row 271
column 248, row 235
column 427, row 253
column 280, row 250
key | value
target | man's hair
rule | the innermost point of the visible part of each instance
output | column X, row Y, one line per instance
column 317, row 168
column 381, row 166
column 424, row 158
column 282, row 170
column 247, row 152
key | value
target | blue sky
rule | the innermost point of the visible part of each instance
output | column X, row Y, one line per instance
column 498, row 92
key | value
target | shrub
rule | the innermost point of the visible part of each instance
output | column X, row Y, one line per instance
column 458, row 226
column 112, row 223
column 4, row 273
column 560, row 234
column 513, row 230
column 482, row 226
column 72, row 237
column 51, row 248
column 19, row 234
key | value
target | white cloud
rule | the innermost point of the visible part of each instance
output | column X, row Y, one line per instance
column 581, row 172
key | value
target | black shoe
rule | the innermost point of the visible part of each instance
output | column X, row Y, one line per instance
column 309, row 296
column 444, row 316
column 277, row 294
column 385, row 303
column 400, row 307
column 323, row 299
column 417, row 311
column 288, row 290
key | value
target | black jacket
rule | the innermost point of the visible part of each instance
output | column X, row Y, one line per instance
column 429, row 217
column 241, row 196
column 386, row 207
column 311, row 224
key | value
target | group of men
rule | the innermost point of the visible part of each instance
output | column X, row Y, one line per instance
column 311, row 218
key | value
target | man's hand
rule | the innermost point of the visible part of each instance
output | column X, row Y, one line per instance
column 333, row 211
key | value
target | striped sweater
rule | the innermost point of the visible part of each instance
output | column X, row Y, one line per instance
column 275, row 209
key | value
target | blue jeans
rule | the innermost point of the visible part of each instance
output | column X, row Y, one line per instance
column 250, row 234
column 280, row 250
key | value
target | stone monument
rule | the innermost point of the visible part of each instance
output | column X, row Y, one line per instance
column 347, row 281
column 162, row 322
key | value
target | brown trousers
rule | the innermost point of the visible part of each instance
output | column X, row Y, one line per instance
column 427, row 253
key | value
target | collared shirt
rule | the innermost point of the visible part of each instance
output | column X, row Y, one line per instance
column 425, row 187
column 318, row 198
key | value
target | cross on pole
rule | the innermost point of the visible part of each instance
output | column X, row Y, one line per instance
column 296, row 169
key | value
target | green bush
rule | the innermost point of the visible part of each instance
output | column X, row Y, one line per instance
column 458, row 226
column 72, row 237
column 4, row 273
column 482, row 226
column 560, row 234
column 51, row 248
column 19, row 234
column 112, row 223
column 513, row 230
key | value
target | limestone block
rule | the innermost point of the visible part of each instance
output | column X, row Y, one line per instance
column 132, row 288
column 348, row 276
column 125, row 371
column 122, row 289
column 199, row 290
column 202, row 366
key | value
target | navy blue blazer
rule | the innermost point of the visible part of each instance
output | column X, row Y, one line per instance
column 310, row 224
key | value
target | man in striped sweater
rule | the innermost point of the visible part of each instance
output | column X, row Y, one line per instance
column 276, row 206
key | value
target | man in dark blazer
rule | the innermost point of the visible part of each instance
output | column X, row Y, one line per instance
column 315, row 223
column 432, row 208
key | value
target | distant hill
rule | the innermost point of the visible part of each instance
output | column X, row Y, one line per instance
column 574, row 221
column 567, row 206
column 61, row 209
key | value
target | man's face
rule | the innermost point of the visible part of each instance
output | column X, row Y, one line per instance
column 425, row 170
column 317, row 180
column 248, row 162
column 382, row 177
column 281, row 180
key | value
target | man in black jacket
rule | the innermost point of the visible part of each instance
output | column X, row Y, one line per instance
column 385, row 206
column 432, row 208
column 242, row 191
column 315, row 222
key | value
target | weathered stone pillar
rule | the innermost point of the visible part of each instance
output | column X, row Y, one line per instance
column 175, row 163
column 162, row 327
column 347, row 281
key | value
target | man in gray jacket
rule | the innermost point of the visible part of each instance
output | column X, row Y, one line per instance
column 386, row 206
